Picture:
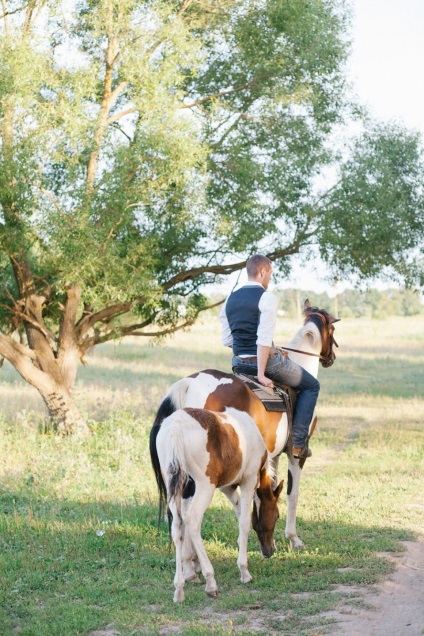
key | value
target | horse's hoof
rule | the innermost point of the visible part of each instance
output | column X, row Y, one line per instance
column 213, row 594
column 193, row 579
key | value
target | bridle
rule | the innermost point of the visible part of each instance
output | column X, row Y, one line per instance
column 328, row 359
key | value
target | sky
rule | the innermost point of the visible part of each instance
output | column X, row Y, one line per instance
column 387, row 58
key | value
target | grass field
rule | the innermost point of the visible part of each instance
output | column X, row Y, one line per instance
column 80, row 553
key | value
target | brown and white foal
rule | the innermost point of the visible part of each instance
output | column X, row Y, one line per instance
column 197, row 451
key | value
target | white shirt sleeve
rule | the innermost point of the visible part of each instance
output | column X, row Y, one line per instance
column 226, row 337
column 268, row 305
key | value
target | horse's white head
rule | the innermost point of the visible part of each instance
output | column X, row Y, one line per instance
column 319, row 325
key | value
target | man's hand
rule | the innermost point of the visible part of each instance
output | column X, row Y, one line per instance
column 263, row 355
column 265, row 381
column 283, row 352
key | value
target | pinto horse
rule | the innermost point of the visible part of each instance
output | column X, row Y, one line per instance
column 198, row 451
column 218, row 391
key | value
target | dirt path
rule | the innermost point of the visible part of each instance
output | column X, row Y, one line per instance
column 397, row 603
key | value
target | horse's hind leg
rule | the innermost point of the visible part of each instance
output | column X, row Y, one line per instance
column 193, row 522
column 293, row 483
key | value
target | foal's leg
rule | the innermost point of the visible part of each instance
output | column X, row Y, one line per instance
column 292, row 499
column 189, row 557
column 177, row 531
column 246, row 496
column 193, row 522
column 233, row 496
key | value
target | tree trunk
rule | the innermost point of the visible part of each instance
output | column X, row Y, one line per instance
column 64, row 415
column 53, row 379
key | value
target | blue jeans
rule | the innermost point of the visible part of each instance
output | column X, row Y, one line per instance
column 284, row 371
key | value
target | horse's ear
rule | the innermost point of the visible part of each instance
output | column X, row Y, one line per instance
column 332, row 320
column 307, row 305
column 279, row 488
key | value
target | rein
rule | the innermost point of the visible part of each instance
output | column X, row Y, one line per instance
column 305, row 353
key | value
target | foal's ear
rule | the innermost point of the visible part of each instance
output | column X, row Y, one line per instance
column 279, row 488
column 307, row 305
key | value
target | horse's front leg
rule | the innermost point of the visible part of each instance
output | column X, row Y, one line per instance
column 293, row 483
column 273, row 467
column 246, row 496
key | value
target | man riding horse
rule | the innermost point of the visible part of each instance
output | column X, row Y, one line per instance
column 248, row 319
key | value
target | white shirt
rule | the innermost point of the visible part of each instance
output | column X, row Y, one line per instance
column 268, row 304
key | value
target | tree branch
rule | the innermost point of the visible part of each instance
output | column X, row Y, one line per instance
column 215, row 95
column 132, row 330
column 11, row 350
column 106, row 105
column 6, row 11
column 114, row 118
column 88, row 320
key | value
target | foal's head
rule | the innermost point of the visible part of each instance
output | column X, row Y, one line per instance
column 265, row 512
column 325, row 324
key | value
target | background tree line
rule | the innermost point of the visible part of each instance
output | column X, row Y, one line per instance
column 353, row 303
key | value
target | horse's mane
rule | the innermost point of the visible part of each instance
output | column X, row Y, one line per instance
column 313, row 326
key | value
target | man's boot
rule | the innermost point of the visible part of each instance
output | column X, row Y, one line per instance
column 302, row 452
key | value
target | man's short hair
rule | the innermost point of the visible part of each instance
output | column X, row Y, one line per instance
column 255, row 263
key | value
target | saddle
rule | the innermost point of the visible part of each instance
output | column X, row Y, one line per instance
column 280, row 399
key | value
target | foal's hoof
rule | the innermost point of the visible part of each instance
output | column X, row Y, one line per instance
column 193, row 579
column 179, row 596
column 213, row 594
column 246, row 578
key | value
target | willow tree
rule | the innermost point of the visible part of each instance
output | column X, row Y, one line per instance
column 148, row 147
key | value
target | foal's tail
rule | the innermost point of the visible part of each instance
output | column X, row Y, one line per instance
column 165, row 410
column 174, row 400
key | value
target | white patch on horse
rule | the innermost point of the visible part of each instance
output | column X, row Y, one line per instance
column 307, row 339
column 201, row 387
column 282, row 435
column 257, row 502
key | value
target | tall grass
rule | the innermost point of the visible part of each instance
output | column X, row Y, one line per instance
column 79, row 546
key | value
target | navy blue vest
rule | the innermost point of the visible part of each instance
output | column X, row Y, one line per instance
column 243, row 315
